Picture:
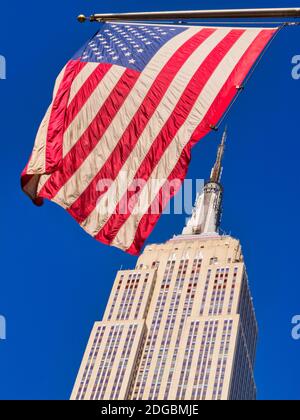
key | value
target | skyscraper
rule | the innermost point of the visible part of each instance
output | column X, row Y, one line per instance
column 181, row 325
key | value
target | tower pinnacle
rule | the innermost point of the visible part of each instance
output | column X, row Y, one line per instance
column 208, row 207
column 216, row 172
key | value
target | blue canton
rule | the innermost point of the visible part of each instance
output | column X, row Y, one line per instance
column 131, row 46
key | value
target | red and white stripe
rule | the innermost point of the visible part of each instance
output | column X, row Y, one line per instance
column 109, row 122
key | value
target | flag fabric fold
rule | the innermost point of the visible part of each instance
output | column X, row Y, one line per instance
column 115, row 143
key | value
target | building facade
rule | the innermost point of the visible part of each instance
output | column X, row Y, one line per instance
column 181, row 325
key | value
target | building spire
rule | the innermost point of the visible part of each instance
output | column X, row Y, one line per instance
column 216, row 172
column 207, row 212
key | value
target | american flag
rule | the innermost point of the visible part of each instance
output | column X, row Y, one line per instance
column 126, row 111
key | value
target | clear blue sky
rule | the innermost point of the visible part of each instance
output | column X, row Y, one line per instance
column 55, row 279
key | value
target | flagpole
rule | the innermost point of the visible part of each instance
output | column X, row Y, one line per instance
column 292, row 12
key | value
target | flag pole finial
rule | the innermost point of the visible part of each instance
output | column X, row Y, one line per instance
column 82, row 18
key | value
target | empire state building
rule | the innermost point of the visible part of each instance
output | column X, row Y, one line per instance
column 181, row 325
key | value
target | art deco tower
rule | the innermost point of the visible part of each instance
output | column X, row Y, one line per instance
column 181, row 325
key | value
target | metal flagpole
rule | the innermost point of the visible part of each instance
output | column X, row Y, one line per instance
column 292, row 12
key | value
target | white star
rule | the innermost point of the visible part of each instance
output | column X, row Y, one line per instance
column 127, row 54
column 164, row 33
column 140, row 50
column 132, row 61
column 115, row 58
column 124, row 49
column 148, row 43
